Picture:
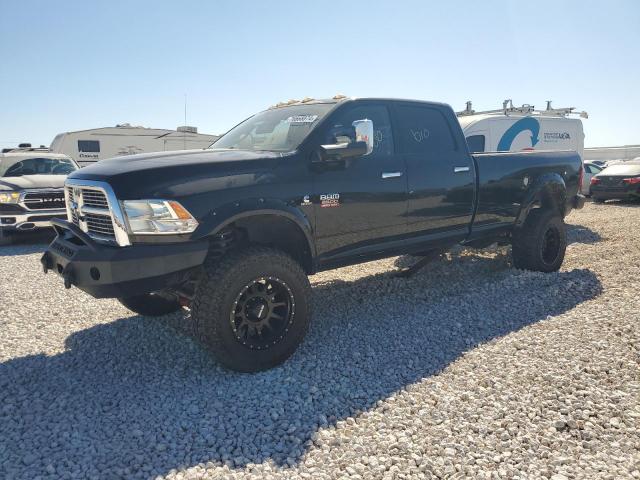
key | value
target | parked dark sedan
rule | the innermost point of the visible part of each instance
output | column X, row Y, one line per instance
column 619, row 181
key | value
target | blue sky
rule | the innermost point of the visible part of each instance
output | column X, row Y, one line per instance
column 71, row 65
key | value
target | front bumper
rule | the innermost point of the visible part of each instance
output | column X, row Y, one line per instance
column 110, row 272
column 29, row 220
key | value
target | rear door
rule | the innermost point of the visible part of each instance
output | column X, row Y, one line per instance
column 440, row 171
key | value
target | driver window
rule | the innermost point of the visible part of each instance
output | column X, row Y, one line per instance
column 342, row 130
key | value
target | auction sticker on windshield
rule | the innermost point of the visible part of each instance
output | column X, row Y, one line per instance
column 302, row 119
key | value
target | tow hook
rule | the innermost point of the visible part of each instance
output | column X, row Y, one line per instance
column 67, row 275
column 45, row 260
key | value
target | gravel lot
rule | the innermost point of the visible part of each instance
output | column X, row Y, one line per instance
column 470, row 369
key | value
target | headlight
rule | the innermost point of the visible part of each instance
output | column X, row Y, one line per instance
column 158, row 216
column 9, row 197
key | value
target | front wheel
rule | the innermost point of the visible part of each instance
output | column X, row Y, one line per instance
column 541, row 243
column 150, row 304
column 251, row 308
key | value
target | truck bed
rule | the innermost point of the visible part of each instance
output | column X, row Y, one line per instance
column 504, row 179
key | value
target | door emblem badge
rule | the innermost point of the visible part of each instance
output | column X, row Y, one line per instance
column 330, row 200
column 305, row 201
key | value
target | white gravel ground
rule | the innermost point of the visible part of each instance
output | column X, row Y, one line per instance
column 470, row 369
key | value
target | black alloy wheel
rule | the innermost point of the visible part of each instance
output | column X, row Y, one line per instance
column 551, row 245
column 262, row 313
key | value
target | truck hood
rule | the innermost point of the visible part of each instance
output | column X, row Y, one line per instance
column 32, row 181
column 161, row 160
column 171, row 174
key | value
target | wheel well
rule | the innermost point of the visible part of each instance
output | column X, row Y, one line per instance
column 278, row 232
column 553, row 197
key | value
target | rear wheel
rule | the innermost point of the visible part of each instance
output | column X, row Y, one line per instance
column 251, row 308
column 150, row 304
column 541, row 243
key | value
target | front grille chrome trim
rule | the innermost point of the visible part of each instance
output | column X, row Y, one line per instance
column 75, row 210
column 26, row 203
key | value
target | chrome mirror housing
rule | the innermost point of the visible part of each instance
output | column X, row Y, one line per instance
column 364, row 133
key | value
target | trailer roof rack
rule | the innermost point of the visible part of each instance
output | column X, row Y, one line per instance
column 525, row 109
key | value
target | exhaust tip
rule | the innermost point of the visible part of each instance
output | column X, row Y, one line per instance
column 26, row 226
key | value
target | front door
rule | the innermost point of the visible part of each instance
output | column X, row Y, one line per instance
column 441, row 181
column 360, row 201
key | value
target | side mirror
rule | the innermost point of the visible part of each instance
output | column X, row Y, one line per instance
column 364, row 133
column 362, row 144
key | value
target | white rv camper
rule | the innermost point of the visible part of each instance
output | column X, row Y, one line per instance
column 90, row 146
column 522, row 128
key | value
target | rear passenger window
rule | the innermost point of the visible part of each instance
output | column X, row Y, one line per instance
column 88, row 146
column 341, row 129
column 476, row 143
column 423, row 130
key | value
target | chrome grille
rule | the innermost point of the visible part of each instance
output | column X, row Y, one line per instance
column 43, row 199
column 89, row 209
column 73, row 211
column 94, row 208
column 99, row 225
column 95, row 199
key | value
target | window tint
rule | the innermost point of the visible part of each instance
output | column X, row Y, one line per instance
column 423, row 130
column 342, row 130
column 18, row 167
column 88, row 146
column 476, row 143
column 278, row 129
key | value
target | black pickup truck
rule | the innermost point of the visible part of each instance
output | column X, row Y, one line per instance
column 234, row 231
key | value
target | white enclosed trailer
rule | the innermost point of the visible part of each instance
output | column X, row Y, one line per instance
column 612, row 154
column 89, row 146
column 522, row 128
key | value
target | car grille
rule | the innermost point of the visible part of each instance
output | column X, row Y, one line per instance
column 44, row 200
column 97, row 222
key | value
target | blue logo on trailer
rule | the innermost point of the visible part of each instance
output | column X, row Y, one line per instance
column 526, row 123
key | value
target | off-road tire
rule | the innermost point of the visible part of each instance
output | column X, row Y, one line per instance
column 6, row 238
column 215, row 305
column 150, row 305
column 541, row 243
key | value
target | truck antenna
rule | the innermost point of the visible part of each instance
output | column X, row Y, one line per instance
column 184, row 134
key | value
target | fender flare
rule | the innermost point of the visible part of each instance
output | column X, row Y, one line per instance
column 549, row 185
column 221, row 217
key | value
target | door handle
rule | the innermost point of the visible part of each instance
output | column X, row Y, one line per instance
column 391, row 174
column 460, row 169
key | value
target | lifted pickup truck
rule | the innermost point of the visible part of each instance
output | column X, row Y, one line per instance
column 234, row 231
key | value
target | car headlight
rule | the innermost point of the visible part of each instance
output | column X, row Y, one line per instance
column 9, row 197
column 158, row 216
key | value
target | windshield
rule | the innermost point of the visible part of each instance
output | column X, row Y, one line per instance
column 277, row 130
column 19, row 166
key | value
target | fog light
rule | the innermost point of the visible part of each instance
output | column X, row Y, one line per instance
column 95, row 273
column 8, row 220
